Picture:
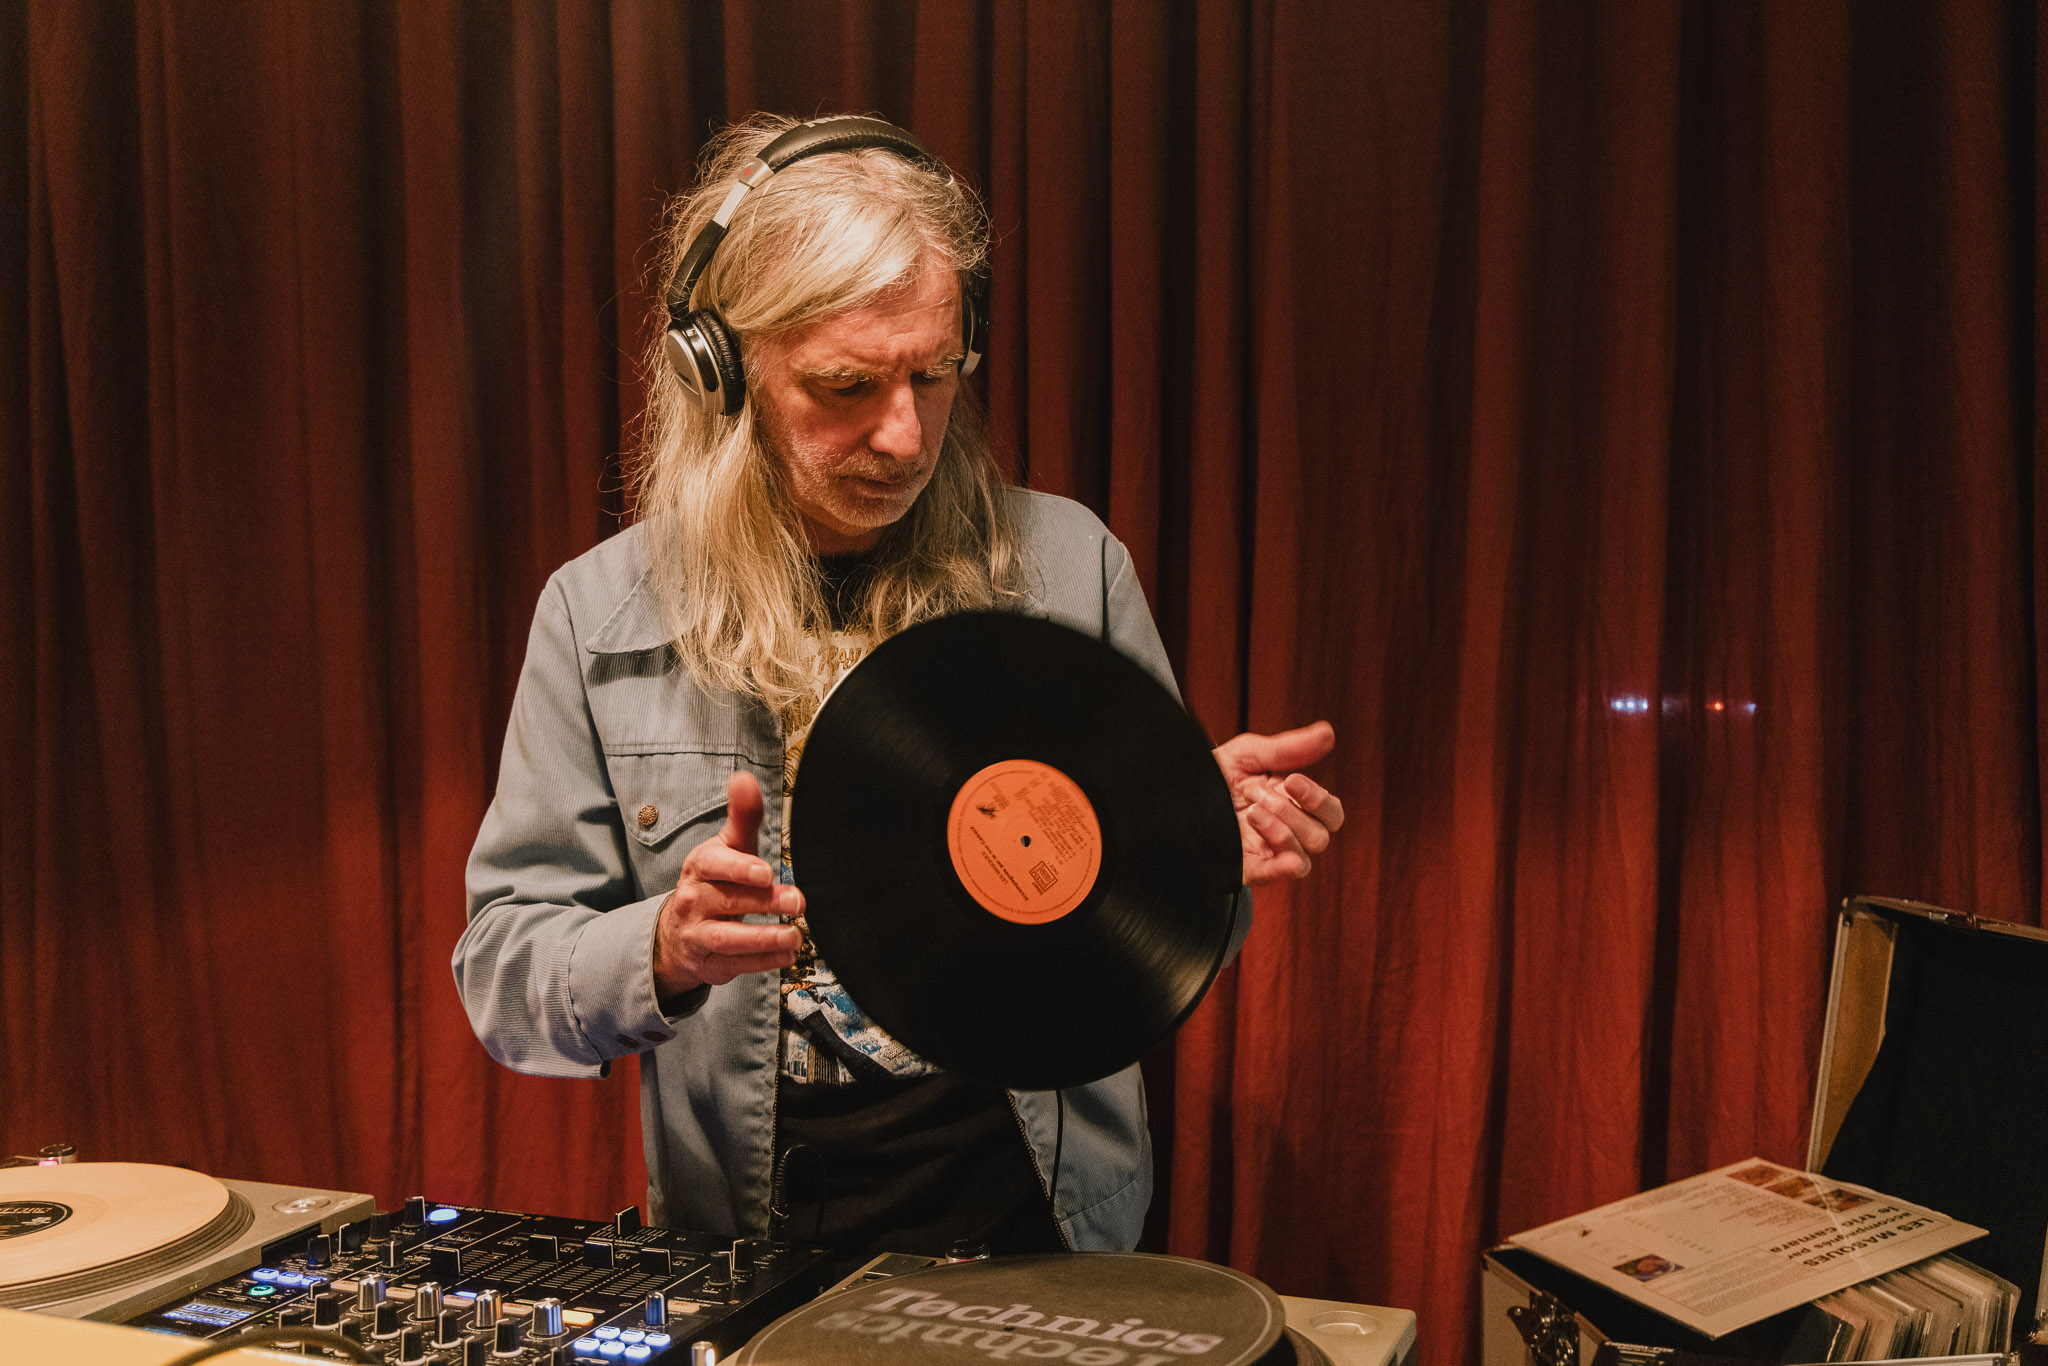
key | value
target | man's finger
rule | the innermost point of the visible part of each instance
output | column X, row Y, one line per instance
column 1315, row 799
column 715, row 861
column 1290, row 749
column 743, row 810
column 1278, row 835
column 732, row 939
column 1308, row 832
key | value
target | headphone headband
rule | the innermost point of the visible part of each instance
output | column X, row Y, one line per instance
column 700, row 349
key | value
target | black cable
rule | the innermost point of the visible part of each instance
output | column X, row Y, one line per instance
column 781, row 1184
column 264, row 1337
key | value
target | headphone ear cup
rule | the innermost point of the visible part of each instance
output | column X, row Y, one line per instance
column 973, row 321
column 707, row 361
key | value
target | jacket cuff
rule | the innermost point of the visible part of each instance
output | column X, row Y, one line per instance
column 611, row 982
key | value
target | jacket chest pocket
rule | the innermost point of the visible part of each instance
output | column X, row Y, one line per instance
column 669, row 802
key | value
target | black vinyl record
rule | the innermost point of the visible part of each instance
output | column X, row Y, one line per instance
column 1016, row 849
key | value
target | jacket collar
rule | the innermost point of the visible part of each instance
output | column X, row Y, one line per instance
column 636, row 625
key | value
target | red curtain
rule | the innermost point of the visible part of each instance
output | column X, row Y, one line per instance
column 1621, row 420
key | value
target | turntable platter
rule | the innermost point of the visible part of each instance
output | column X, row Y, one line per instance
column 59, row 1221
column 1126, row 1308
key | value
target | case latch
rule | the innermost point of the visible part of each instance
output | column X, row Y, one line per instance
column 1549, row 1329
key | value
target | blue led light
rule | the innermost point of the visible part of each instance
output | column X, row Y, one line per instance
column 632, row 1335
column 262, row 1290
column 606, row 1333
column 264, row 1273
column 443, row 1215
column 611, row 1350
column 659, row 1340
column 638, row 1353
column 585, row 1344
column 462, row 1295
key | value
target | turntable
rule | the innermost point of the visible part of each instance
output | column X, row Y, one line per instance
column 1105, row 1308
column 109, row 1240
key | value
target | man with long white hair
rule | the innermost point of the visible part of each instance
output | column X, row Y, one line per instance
column 813, row 477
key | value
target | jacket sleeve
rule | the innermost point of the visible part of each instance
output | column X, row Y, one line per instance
column 556, row 966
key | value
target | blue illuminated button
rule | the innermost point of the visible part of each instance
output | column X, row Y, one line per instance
column 611, row 1351
column 659, row 1340
column 264, row 1273
column 637, row 1352
column 606, row 1333
column 262, row 1290
column 584, row 1346
column 443, row 1215
column 632, row 1335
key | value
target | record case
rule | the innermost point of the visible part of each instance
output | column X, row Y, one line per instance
column 1932, row 1086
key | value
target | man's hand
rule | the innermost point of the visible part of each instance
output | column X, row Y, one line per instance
column 699, row 937
column 1283, row 818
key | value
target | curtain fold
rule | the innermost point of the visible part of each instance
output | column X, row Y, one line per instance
column 1621, row 421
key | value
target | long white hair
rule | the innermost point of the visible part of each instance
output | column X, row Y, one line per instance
column 735, row 576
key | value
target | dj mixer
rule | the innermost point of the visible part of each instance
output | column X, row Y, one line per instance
column 452, row 1285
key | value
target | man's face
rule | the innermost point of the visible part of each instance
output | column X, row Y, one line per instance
column 854, row 408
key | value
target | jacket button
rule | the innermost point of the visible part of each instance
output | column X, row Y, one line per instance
column 648, row 816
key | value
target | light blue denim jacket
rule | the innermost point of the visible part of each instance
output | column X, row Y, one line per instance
column 614, row 768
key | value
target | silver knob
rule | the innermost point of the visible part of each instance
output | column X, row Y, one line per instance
column 369, row 1294
column 487, row 1303
column 426, row 1303
column 547, row 1318
column 703, row 1354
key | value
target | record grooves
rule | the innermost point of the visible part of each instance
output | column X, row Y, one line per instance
column 1016, row 849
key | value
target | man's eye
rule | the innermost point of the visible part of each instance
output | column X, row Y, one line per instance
column 845, row 388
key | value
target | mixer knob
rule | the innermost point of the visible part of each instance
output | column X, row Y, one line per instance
column 488, row 1303
column 297, row 1316
column 597, row 1252
column 544, row 1247
column 655, row 1312
column 508, row 1337
column 426, row 1304
column 390, row 1259
column 369, row 1293
column 412, row 1348
column 703, row 1354
column 718, row 1277
column 416, row 1211
column 319, row 1251
column 474, row 1351
column 547, row 1318
column 656, row 1261
column 446, row 1262
column 450, row 1329
column 349, row 1237
column 387, row 1319
column 627, row 1221
column 326, row 1309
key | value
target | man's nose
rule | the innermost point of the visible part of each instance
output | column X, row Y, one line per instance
column 898, row 433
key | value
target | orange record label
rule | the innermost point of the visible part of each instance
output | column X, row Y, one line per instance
column 1025, row 841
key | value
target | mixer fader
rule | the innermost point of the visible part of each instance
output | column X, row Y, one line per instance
column 451, row 1285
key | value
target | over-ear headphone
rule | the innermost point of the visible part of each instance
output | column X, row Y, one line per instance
column 703, row 352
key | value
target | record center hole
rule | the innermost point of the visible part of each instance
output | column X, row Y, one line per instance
column 1026, row 839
